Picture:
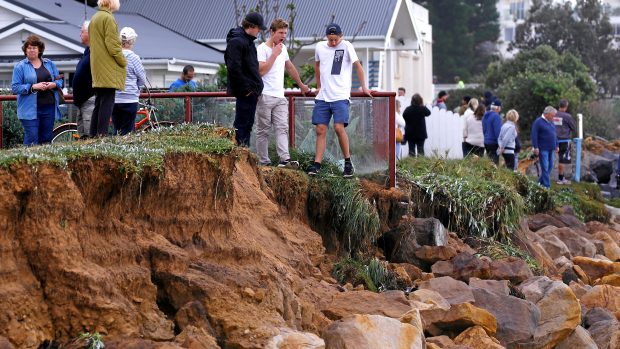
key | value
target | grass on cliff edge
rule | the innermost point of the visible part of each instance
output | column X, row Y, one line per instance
column 474, row 198
column 135, row 151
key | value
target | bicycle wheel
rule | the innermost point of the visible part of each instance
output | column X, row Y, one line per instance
column 159, row 124
column 65, row 133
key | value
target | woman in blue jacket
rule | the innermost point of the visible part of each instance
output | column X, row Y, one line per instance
column 35, row 81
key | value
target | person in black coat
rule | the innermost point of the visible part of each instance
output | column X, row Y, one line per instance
column 415, row 125
column 244, row 80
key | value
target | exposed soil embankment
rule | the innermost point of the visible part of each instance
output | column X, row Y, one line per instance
column 197, row 245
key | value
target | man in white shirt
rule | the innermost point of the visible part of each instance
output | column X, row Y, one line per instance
column 404, row 101
column 334, row 60
column 272, row 107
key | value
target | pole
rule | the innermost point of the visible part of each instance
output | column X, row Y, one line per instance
column 580, row 117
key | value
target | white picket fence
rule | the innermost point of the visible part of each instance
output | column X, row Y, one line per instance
column 445, row 134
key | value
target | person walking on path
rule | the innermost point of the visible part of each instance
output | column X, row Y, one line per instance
column 507, row 140
column 564, row 128
column 334, row 62
column 545, row 143
column 83, row 92
column 491, row 126
column 244, row 80
column 415, row 125
column 272, row 107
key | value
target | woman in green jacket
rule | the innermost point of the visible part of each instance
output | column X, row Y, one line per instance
column 107, row 64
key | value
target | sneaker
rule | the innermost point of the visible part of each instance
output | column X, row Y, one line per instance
column 348, row 169
column 314, row 169
column 560, row 182
column 566, row 181
column 289, row 164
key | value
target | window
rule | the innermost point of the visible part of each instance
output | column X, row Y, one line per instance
column 517, row 10
column 509, row 34
column 616, row 29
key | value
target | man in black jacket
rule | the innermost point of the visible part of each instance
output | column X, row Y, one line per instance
column 244, row 80
column 83, row 92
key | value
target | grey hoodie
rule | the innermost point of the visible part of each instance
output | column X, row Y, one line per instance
column 507, row 137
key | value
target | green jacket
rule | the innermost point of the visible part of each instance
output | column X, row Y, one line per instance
column 107, row 62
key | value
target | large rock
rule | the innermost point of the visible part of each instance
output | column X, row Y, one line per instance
column 603, row 327
column 375, row 331
column 517, row 318
column 567, row 216
column 430, row 231
column 496, row 286
column 541, row 220
column 559, row 308
column 554, row 246
column 289, row 338
column 194, row 314
column 432, row 254
column 462, row 267
column 604, row 296
column 196, row 338
column 440, row 341
column 5, row 344
column 391, row 304
column 414, row 272
column 593, row 227
column 579, row 339
column 576, row 243
column 454, row 291
column 610, row 247
column 477, row 338
column 512, row 269
column 456, row 319
column 602, row 169
column 428, row 299
column 597, row 268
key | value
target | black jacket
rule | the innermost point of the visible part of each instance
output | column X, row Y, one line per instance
column 242, row 64
column 415, row 122
column 83, row 80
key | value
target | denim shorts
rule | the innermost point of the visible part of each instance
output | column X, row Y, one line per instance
column 323, row 111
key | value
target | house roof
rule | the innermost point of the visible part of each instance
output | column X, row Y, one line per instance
column 154, row 41
column 211, row 20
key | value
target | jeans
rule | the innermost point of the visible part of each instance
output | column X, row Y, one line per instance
column 416, row 144
column 509, row 159
column 40, row 130
column 245, row 108
column 546, row 165
column 272, row 111
column 104, row 104
column 85, row 113
column 124, row 118
column 470, row 149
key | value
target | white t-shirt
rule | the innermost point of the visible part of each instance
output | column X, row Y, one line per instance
column 336, row 67
column 404, row 102
column 273, row 81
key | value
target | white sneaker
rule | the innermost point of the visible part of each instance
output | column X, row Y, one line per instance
column 560, row 182
column 566, row 181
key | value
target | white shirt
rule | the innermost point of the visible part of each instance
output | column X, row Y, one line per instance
column 336, row 64
column 273, row 81
column 472, row 129
column 404, row 102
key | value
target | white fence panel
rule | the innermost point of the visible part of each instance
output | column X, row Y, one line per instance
column 445, row 134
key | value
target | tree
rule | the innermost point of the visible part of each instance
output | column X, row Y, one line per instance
column 583, row 30
column 465, row 34
column 539, row 77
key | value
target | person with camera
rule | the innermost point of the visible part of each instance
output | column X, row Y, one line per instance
column 545, row 143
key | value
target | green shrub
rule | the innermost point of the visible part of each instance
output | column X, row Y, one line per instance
column 501, row 250
column 585, row 198
column 373, row 274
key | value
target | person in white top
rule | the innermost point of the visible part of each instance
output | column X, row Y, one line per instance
column 404, row 101
column 400, row 125
column 272, row 107
column 473, row 138
column 334, row 62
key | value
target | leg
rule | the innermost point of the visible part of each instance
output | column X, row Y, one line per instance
column 343, row 139
column 340, row 109
column 263, row 126
column 280, row 123
column 479, row 151
column 46, row 115
column 321, row 115
column 321, row 137
column 420, row 145
column 124, row 118
column 104, row 104
column 397, row 151
column 466, row 148
column 244, row 118
column 85, row 113
column 509, row 159
column 546, row 158
column 31, row 131
column 492, row 152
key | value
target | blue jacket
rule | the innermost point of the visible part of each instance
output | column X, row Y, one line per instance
column 24, row 77
column 180, row 83
column 83, row 80
column 491, row 126
column 543, row 135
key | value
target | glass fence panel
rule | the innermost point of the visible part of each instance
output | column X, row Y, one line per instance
column 168, row 109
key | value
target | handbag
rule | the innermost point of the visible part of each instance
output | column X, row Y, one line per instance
column 399, row 135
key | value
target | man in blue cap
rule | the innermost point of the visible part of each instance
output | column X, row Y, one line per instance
column 244, row 80
column 491, row 126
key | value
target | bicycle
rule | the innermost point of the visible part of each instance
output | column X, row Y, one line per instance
column 68, row 132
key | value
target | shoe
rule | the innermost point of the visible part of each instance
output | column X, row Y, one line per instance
column 348, row 169
column 314, row 169
column 566, row 181
column 560, row 182
column 264, row 163
column 289, row 164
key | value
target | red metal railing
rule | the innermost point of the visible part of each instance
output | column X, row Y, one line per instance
column 380, row 144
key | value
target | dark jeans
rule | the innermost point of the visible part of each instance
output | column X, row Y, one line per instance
column 416, row 144
column 39, row 130
column 492, row 152
column 124, row 118
column 509, row 159
column 244, row 118
column 104, row 104
column 469, row 149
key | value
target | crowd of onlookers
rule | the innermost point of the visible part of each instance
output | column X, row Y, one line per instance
column 487, row 131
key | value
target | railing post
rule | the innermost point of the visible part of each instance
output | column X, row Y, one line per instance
column 188, row 109
column 578, row 159
column 291, row 121
column 392, row 138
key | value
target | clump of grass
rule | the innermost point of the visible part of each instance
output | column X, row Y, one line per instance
column 500, row 250
column 93, row 340
column 585, row 198
column 373, row 274
column 134, row 152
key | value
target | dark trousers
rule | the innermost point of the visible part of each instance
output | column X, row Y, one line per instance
column 104, row 104
column 492, row 152
column 39, row 130
column 509, row 159
column 469, row 149
column 416, row 144
column 124, row 117
column 244, row 118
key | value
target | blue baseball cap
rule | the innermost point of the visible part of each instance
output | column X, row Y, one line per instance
column 333, row 29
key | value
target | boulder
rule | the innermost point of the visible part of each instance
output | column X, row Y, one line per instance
column 5, row 344
column 560, row 312
column 577, row 244
column 477, row 338
column 456, row 319
column 612, row 280
column 593, row 227
column 458, row 244
column 597, row 314
column 374, row 331
column 606, row 334
column 567, row 216
column 391, row 304
column 428, row 299
column 454, row 291
column 579, row 289
column 430, row 232
column 554, row 246
column 562, row 261
column 463, row 266
column 516, row 318
column 579, row 339
column 541, row 220
column 440, row 341
column 414, row 272
column 496, row 286
column 602, row 169
column 604, row 296
column 401, row 274
column 289, row 338
column 432, row 254
column 194, row 314
column 597, row 268
column 610, row 247
column 196, row 338
column 513, row 269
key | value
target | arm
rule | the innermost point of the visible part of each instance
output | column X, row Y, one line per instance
column 58, row 82
column 140, row 72
column 292, row 71
column 265, row 66
column 317, row 75
column 534, row 137
column 18, row 85
column 113, row 43
column 465, row 128
column 497, row 125
column 571, row 125
column 425, row 111
column 362, row 78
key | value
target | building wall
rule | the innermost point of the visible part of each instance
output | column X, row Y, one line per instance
column 511, row 14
